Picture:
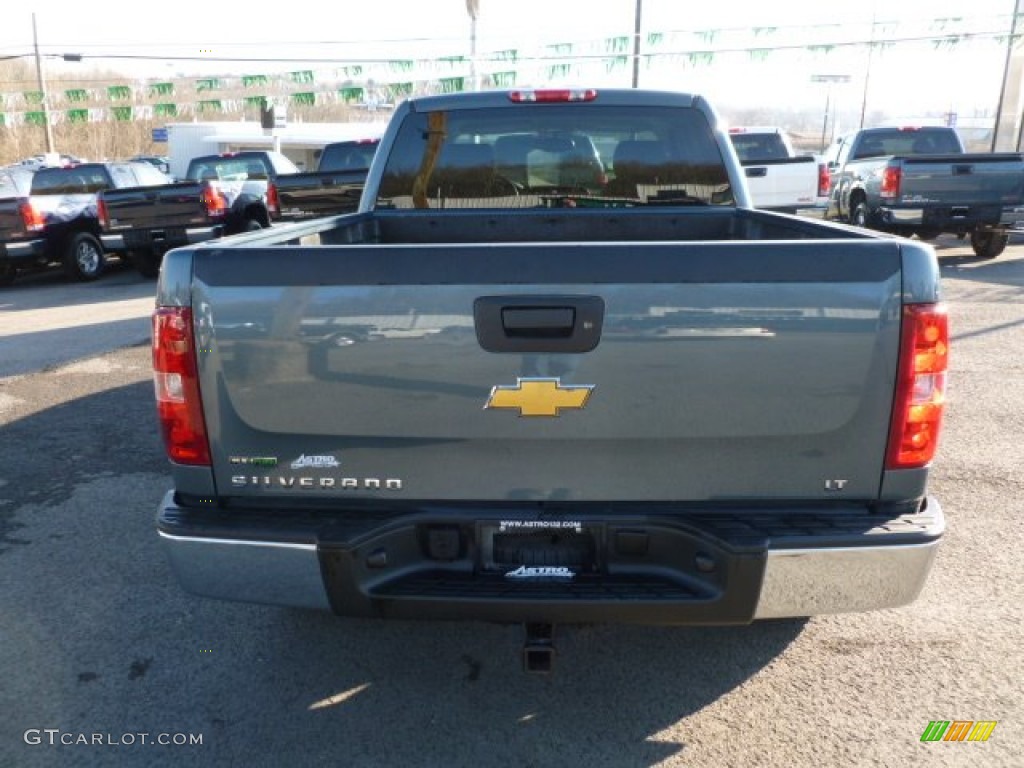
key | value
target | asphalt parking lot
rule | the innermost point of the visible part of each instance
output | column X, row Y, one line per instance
column 104, row 661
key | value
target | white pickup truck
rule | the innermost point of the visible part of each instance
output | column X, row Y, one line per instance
column 777, row 178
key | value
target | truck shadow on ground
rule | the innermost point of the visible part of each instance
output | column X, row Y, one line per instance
column 998, row 271
column 120, row 648
column 613, row 690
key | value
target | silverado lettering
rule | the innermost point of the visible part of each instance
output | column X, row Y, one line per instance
column 344, row 483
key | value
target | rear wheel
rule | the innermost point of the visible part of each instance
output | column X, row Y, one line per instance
column 928, row 234
column 83, row 257
column 989, row 244
column 859, row 215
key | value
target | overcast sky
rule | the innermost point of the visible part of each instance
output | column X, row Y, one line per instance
column 911, row 75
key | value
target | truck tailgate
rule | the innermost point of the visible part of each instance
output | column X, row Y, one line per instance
column 996, row 179
column 718, row 371
column 162, row 206
column 783, row 183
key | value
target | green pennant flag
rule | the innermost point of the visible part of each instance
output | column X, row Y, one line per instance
column 119, row 92
column 121, row 114
column 451, row 61
column 510, row 54
column 452, row 84
column 250, row 81
column 209, row 105
column 307, row 99
column 759, row 54
column 161, row 89
column 3, row 119
column 33, row 97
column 302, row 76
column 165, row 110
column 559, row 49
column 35, row 118
column 616, row 44
column 401, row 65
column 208, row 84
column 76, row 94
column 399, row 90
column 559, row 70
column 655, row 38
column 615, row 63
column 504, row 79
column 78, row 115
column 354, row 93
column 255, row 101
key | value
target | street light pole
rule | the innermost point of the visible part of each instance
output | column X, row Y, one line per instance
column 42, row 89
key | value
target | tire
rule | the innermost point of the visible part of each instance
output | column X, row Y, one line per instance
column 928, row 234
column 989, row 244
column 859, row 215
column 146, row 263
column 83, row 257
column 251, row 225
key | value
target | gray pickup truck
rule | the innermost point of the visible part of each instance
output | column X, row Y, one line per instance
column 518, row 387
column 920, row 181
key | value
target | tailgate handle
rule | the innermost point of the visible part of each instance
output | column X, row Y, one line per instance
column 756, row 173
column 531, row 324
column 538, row 322
column 962, row 170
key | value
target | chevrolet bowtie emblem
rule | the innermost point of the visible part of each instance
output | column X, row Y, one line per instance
column 539, row 397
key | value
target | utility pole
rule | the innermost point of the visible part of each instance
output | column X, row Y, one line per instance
column 1008, row 124
column 473, row 9
column 42, row 89
column 636, row 44
column 867, row 70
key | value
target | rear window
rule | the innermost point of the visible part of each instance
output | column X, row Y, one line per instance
column 348, row 156
column 239, row 167
column 553, row 156
column 79, row 179
column 916, row 141
column 758, row 147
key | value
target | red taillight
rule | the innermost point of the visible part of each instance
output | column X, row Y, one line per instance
column 101, row 212
column 553, row 95
column 824, row 180
column 176, row 382
column 273, row 202
column 891, row 178
column 920, row 387
column 31, row 217
column 213, row 201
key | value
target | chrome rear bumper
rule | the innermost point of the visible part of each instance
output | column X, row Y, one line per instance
column 884, row 566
